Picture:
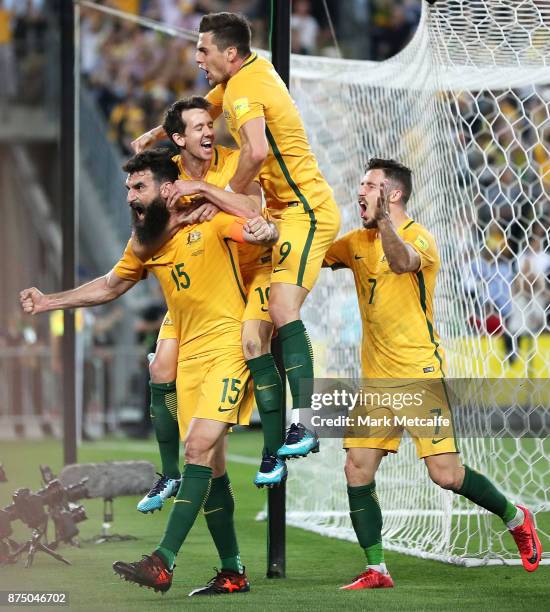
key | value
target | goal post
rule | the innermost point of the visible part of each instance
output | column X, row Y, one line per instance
column 466, row 106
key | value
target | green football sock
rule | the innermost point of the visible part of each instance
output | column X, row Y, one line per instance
column 298, row 360
column 164, row 415
column 193, row 491
column 366, row 518
column 219, row 508
column 480, row 490
column 268, row 391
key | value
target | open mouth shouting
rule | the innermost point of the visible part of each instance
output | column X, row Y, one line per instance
column 207, row 144
column 138, row 211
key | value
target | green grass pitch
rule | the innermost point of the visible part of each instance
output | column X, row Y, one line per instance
column 316, row 566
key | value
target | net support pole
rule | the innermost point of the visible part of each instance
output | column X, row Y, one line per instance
column 276, row 497
column 68, row 229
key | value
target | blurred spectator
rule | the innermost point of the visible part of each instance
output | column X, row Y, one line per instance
column 29, row 43
column 127, row 6
column 530, row 292
column 92, row 36
column 391, row 28
column 126, row 123
column 495, row 272
column 7, row 65
column 305, row 28
column 534, row 262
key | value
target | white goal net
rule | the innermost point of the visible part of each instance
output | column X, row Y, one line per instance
column 466, row 106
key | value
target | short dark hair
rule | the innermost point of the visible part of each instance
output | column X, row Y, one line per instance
column 158, row 160
column 394, row 171
column 229, row 30
column 173, row 123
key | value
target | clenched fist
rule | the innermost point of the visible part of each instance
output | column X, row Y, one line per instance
column 260, row 229
column 33, row 301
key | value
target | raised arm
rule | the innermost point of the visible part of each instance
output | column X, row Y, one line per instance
column 254, row 151
column 99, row 291
column 401, row 257
column 148, row 139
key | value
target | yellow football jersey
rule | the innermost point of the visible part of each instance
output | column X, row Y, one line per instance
column 199, row 275
column 290, row 172
column 399, row 339
column 222, row 167
column 5, row 28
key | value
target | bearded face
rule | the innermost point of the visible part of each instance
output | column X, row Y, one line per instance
column 149, row 221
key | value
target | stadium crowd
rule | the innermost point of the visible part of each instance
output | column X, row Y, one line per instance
column 511, row 268
column 135, row 73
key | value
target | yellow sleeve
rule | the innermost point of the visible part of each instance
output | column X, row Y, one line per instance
column 338, row 254
column 424, row 244
column 245, row 101
column 129, row 266
column 229, row 226
column 215, row 97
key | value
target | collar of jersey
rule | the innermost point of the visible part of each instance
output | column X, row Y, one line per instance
column 213, row 163
column 253, row 57
column 406, row 222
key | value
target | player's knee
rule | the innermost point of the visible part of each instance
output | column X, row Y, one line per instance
column 282, row 313
column 357, row 471
column 198, row 451
column 446, row 479
column 252, row 348
column 161, row 371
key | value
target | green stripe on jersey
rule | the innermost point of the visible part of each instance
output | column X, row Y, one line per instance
column 235, row 273
column 422, row 287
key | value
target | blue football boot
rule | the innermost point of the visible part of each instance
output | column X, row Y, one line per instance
column 272, row 472
column 299, row 442
column 162, row 489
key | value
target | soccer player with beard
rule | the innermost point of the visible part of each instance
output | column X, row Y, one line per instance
column 395, row 262
column 212, row 375
column 264, row 121
column 204, row 172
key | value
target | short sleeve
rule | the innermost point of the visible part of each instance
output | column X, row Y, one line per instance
column 338, row 254
column 424, row 244
column 130, row 267
column 244, row 102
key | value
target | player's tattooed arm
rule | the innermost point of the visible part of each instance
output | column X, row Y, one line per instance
column 401, row 257
column 260, row 231
column 254, row 150
column 247, row 204
column 99, row 291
